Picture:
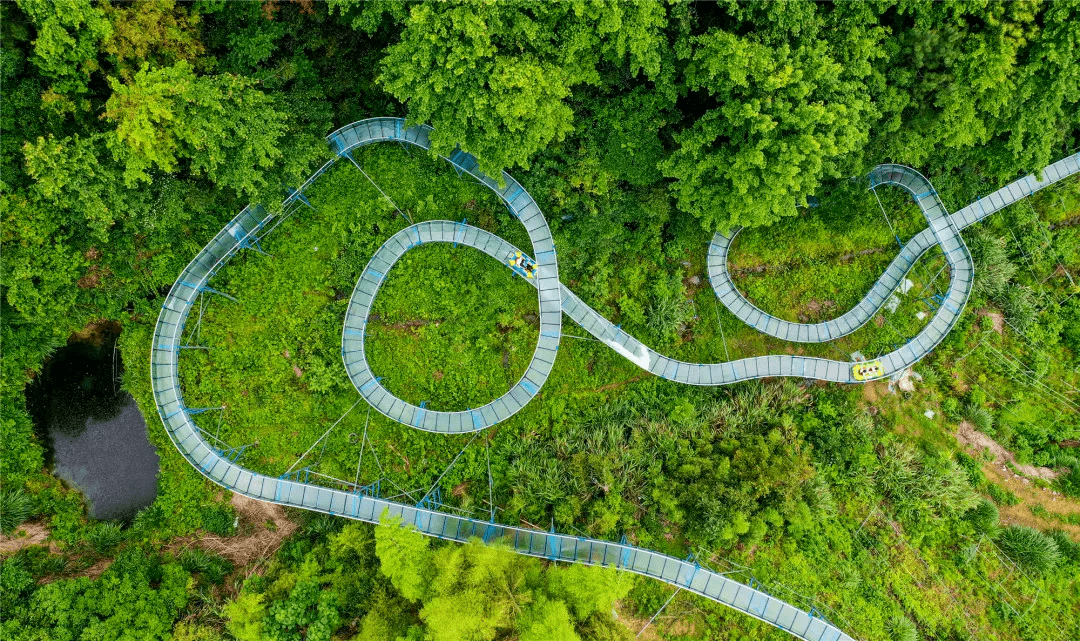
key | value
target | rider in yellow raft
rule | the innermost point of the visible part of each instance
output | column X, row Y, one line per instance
column 867, row 371
column 521, row 262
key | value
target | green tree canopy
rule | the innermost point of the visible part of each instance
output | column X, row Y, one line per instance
column 495, row 77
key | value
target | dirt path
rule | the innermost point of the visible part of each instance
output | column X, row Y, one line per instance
column 976, row 440
column 998, row 472
column 263, row 528
column 25, row 535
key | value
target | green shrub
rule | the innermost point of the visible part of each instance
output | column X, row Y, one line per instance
column 213, row 567
column 16, row 506
column 667, row 314
column 1069, row 483
column 980, row 417
column 105, row 536
column 1070, row 550
column 993, row 269
column 902, row 629
column 319, row 525
column 51, row 564
column 1001, row 496
column 983, row 517
column 972, row 468
column 148, row 519
column 1029, row 548
column 950, row 407
column 1018, row 303
column 218, row 519
column 1039, row 511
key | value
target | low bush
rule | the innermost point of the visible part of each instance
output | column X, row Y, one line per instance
column 219, row 519
column 105, row 536
column 983, row 517
column 16, row 506
column 902, row 629
column 1029, row 548
column 212, row 567
column 1001, row 496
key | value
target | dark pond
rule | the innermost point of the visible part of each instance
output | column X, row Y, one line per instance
column 95, row 433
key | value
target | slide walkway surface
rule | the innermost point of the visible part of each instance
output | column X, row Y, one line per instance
column 253, row 223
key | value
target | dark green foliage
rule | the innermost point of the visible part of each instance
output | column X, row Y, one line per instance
column 1069, row 482
column 1030, row 548
column 137, row 597
column 983, row 517
column 219, row 519
column 980, row 417
column 16, row 506
column 210, row 566
column 132, row 131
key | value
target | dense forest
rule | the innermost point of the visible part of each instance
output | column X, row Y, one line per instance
column 131, row 132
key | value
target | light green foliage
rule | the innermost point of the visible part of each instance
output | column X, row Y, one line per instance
column 404, row 558
column 227, row 128
column 589, row 590
column 902, row 629
column 478, row 591
column 544, row 620
column 245, row 617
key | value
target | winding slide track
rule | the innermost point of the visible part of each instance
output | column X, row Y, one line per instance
column 252, row 224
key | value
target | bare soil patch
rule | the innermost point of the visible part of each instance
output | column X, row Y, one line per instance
column 871, row 392
column 976, row 440
column 996, row 319
column 267, row 523
column 1029, row 494
column 25, row 535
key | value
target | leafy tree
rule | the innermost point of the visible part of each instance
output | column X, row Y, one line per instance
column 495, row 77
column 477, row 591
column 995, row 79
column 547, row 620
column 155, row 31
column 227, row 128
column 66, row 44
column 588, row 590
column 136, row 599
column 404, row 557
column 245, row 616
column 781, row 117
